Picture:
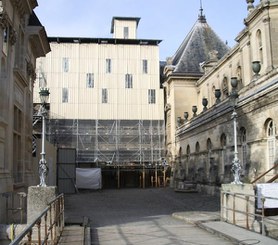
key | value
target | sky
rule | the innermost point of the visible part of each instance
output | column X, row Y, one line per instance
column 166, row 20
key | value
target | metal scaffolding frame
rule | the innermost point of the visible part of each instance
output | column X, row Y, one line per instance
column 110, row 141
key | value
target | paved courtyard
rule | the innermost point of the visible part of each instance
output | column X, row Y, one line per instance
column 142, row 216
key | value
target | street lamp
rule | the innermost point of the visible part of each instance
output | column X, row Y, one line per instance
column 236, row 168
column 43, row 169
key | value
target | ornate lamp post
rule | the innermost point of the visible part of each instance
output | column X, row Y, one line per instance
column 43, row 170
column 236, row 168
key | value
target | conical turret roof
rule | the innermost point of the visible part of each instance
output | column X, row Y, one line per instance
column 196, row 48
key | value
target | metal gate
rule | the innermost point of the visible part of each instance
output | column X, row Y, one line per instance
column 66, row 167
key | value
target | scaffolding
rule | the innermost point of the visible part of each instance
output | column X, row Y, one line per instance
column 110, row 142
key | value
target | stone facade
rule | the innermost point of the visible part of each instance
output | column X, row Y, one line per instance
column 201, row 147
column 22, row 40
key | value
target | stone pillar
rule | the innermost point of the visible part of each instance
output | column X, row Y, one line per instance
column 240, row 199
column 38, row 199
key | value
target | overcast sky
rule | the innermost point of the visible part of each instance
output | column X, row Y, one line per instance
column 166, row 20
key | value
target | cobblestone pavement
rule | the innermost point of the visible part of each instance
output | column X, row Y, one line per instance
column 142, row 216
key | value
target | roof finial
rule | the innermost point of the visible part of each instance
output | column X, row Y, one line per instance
column 202, row 17
column 250, row 6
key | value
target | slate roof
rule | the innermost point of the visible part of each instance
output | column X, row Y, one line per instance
column 195, row 48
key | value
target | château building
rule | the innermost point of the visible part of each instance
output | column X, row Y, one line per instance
column 199, row 105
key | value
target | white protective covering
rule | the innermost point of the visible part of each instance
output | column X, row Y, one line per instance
column 268, row 190
column 88, row 178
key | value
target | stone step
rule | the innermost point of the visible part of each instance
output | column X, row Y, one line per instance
column 73, row 234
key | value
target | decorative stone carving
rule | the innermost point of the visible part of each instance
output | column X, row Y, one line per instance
column 31, row 71
column 194, row 110
column 1, row 7
column 213, row 55
column 256, row 67
column 12, row 37
column 204, row 103
column 250, row 6
column 19, row 5
column 178, row 121
column 169, row 60
column 3, row 19
column 167, row 107
column 266, row 20
column 217, row 94
column 185, row 115
column 234, row 82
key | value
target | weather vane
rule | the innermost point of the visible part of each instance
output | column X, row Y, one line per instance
column 201, row 7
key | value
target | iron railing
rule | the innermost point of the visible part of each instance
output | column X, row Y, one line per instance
column 248, row 212
column 15, row 206
column 46, row 228
column 265, row 173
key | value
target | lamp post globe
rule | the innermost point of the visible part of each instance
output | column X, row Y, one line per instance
column 44, row 95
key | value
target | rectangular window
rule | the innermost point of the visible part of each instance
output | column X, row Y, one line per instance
column 151, row 96
column 108, row 66
column 244, row 154
column 65, row 95
column 128, row 81
column 17, row 146
column 104, row 95
column 65, row 64
column 19, row 50
column 5, row 40
column 90, row 80
column 145, row 66
column 2, row 154
column 126, row 32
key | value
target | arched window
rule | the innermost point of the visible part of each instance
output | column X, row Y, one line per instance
column 223, row 162
column 209, row 145
column 223, row 140
column 259, row 45
column 188, row 150
column 3, row 87
column 187, row 159
column 197, row 147
column 209, row 161
column 180, row 155
column 243, row 146
column 271, row 132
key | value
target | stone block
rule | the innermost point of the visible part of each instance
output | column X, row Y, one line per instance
column 38, row 199
column 237, row 203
